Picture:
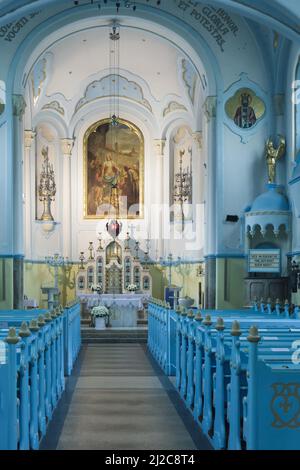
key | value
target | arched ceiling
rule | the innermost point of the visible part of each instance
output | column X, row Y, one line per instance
column 85, row 53
column 281, row 14
column 70, row 72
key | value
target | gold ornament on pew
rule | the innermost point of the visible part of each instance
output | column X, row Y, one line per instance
column 207, row 321
column 33, row 326
column 57, row 311
column 12, row 337
column 24, row 331
column 253, row 336
column 48, row 317
column 53, row 313
column 199, row 317
column 236, row 330
column 183, row 312
column 190, row 314
column 41, row 320
column 273, row 155
column 220, row 324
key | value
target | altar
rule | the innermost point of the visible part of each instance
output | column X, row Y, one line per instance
column 108, row 276
column 123, row 308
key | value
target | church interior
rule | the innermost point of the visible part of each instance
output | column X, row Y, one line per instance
column 150, row 234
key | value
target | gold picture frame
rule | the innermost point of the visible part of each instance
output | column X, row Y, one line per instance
column 120, row 148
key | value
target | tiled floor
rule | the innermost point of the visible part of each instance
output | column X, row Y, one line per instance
column 120, row 401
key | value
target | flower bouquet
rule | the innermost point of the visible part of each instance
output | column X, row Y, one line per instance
column 98, row 315
column 132, row 288
column 97, row 288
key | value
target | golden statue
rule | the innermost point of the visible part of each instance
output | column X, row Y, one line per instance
column 273, row 155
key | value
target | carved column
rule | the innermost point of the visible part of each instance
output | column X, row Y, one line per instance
column 198, row 170
column 19, row 106
column 66, row 149
column 210, row 106
column 159, row 148
column 28, row 190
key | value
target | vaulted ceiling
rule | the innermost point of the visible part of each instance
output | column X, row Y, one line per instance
column 83, row 54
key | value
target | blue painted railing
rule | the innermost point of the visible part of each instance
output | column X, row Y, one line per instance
column 241, row 382
column 37, row 350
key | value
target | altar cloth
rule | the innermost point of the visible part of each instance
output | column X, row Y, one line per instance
column 123, row 307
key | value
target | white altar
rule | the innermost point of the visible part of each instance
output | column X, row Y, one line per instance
column 123, row 307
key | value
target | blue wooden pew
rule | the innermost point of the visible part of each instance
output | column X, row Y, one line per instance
column 37, row 348
column 213, row 363
column 8, row 392
column 209, row 366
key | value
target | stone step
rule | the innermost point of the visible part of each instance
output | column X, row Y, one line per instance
column 103, row 340
column 107, row 331
column 113, row 335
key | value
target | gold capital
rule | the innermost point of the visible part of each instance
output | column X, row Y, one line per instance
column 210, row 107
column 198, row 139
column 67, row 146
column 29, row 136
column 159, row 146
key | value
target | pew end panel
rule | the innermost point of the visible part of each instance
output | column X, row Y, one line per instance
column 276, row 421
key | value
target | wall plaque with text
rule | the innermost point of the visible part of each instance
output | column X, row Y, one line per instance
column 264, row 261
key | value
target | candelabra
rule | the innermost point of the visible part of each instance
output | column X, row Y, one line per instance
column 47, row 187
column 200, row 270
column 91, row 250
column 182, row 268
column 82, row 260
column 56, row 261
column 183, row 185
column 168, row 263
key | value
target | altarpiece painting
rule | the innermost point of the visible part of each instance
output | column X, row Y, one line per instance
column 114, row 170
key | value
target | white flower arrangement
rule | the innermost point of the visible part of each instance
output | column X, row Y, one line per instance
column 132, row 288
column 96, row 288
column 100, row 311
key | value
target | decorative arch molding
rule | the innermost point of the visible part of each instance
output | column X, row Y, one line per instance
column 54, row 119
column 129, row 110
column 175, row 122
column 101, row 89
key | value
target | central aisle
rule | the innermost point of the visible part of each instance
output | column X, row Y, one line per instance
column 118, row 400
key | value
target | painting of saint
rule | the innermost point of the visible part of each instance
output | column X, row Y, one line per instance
column 114, row 170
column 245, row 114
column 245, row 108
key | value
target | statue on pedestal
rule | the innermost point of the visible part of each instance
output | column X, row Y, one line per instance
column 273, row 155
